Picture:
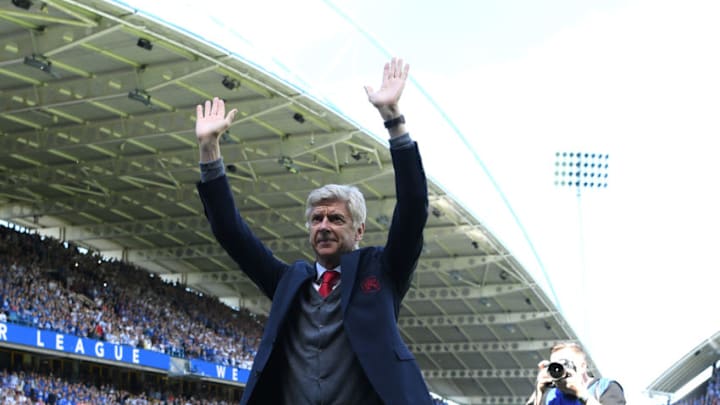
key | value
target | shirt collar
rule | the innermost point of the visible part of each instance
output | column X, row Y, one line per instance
column 320, row 270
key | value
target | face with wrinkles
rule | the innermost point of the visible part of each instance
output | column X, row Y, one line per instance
column 332, row 232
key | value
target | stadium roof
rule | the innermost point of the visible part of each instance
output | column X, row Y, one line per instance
column 97, row 147
column 688, row 367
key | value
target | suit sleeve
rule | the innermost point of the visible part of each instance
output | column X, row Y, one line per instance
column 405, row 238
column 235, row 236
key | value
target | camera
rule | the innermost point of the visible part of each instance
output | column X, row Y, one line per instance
column 559, row 369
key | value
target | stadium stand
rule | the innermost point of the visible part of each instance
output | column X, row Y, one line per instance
column 19, row 387
column 703, row 357
column 707, row 393
column 49, row 285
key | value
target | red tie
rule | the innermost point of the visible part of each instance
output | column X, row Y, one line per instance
column 327, row 282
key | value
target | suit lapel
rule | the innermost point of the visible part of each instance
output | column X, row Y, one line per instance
column 349, row 266
column 285, row 294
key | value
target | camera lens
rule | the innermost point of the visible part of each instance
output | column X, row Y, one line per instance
column 556, row 370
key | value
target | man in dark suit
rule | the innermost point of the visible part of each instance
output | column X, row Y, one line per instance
column 332, row 335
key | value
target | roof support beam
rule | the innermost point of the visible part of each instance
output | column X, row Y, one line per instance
column 181, row 158
column 487, row 373
column 46, row 19
column 224, row 276
column 114, row 129
column 115, row 200
column 199, row 222
column 473, row 319
column 184, row 193
column 54, row 38
column 490, row 400
column 465, row 292
column 135, row 228
column 477, row 347
column 459, row 262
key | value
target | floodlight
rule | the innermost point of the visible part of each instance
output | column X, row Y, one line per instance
column 581, row 170
column 140, row 96
column 24, row 4
column 145, row 43
column 229, row 83
column 41, row 63
column 288, row 164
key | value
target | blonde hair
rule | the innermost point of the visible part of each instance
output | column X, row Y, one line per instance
column 575, row 347
column 568, row 345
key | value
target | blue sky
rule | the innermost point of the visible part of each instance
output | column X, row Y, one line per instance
column 501, row 86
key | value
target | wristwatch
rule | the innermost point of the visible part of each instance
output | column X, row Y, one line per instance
column 395, row 121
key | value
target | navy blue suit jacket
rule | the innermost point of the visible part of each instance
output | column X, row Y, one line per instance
column 373, row 282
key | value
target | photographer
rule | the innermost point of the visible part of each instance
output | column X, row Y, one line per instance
column 565, row 379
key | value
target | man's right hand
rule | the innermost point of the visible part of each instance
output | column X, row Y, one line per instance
column 544, row 381
column 210, row 123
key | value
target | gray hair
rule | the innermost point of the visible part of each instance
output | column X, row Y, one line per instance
column 351, row 195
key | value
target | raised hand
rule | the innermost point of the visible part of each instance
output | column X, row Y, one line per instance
column 543, row 378
column 386, row 98
column 212, row 121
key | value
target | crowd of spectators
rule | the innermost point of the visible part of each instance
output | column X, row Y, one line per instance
column 34, row 388
column 52, row 285
column 711, row 396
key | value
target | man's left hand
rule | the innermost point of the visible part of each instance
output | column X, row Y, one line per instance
column 573, row 384
column 386, row 99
